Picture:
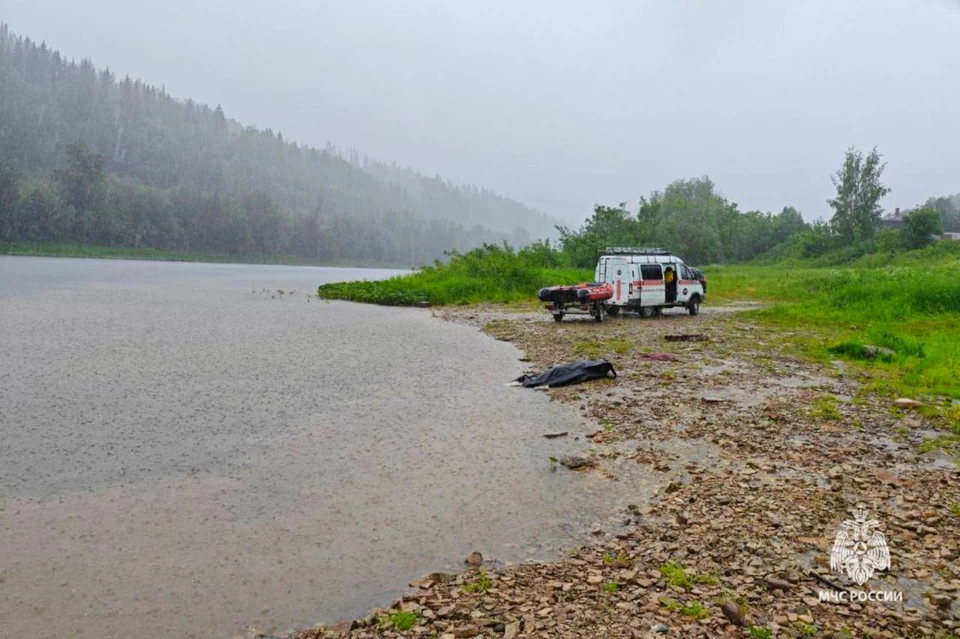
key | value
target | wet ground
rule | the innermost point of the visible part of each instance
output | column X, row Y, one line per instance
column 188, row 452
column 761, row 456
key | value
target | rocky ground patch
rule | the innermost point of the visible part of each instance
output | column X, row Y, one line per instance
column 762, row 454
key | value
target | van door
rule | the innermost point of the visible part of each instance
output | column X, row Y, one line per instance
column 652, row 291
column 688, row 285
column 618, row 275
column 636, row 282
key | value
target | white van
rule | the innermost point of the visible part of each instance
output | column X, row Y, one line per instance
column 640, row 281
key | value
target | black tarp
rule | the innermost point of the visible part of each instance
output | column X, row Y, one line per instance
column 572, row 373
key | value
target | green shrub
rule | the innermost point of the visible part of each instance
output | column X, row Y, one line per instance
column 402, row 621
column 491, row 273
column 481, row 584
column 675, row 575
column 920, row 228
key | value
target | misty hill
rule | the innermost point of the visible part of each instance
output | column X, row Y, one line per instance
column 157, row 171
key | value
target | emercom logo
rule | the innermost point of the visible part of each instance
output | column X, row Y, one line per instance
column 859, row 550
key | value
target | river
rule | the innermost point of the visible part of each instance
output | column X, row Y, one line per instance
column 187, row 452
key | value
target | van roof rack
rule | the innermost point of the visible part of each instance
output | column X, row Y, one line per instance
column 632, row 250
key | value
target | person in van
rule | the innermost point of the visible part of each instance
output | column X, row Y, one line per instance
column 670, row 279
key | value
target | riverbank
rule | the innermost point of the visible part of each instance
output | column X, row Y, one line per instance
column 49, row 249
column 737, row 543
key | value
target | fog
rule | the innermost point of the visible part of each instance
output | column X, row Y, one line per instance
column 559, row 104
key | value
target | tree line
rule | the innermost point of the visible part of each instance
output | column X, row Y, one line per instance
column 87, row 157
column 691, row 218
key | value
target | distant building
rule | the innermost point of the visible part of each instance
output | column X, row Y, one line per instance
column 951, row 236
column 894, row 220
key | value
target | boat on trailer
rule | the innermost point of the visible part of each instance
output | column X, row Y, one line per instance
column 586, row 298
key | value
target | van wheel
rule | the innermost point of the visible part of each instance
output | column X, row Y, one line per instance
column 557, row 317
column 694, row 306
column 646, row 312
column 613, row 311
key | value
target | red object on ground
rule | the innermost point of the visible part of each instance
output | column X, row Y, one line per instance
column 659, row 357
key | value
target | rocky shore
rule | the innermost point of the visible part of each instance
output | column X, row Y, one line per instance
column 738, row 542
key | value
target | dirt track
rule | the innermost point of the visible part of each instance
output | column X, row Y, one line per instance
column 782, row 451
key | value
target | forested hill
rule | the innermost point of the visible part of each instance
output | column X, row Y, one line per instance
column 87, row 157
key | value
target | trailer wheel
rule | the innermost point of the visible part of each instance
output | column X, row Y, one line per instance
column 646, row 312
column 613, row 311
column 694, row 306
column 557, row 317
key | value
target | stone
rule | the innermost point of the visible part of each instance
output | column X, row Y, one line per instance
column 511, row 630
column 777, row 584
column 904, row 402
column 873, row 352
column 734, row 612
column 474, row 559
column 659, row 629
column 574, row 462
column 886, row 477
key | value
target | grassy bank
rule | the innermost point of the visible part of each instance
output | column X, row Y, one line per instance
column 49, row 249
column 907, row 302
column 489, row 274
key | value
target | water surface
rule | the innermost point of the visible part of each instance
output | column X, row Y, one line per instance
column 184, row 452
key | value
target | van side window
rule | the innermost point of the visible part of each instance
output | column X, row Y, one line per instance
column 685, row 272
column 651, row 272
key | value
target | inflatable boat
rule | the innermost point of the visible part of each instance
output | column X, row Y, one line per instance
column 577, row 294
column 585, row 298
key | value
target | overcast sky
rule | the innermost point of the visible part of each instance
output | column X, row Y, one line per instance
column 563, row 104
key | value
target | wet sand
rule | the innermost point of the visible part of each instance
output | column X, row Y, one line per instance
column 186, row 455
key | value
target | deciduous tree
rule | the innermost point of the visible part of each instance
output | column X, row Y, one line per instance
column 856, row 208
column 920, row 228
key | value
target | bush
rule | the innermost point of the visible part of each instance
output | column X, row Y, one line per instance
column 921, row 228
column 888, row 241
column 492, row 273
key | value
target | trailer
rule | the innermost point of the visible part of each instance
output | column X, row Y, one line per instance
column 587, row 298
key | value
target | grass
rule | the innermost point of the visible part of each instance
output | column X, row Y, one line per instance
column 53, row 249
column 675, row 575
column 668, row 603
column 620, row 560
column 760, row 632
column 611, row 586
column 696, row 610
column 488, row 274
column 401, row 621
column 907, row 302
column 594, row 348
column 805, row 629
column 479, row 585
column 825, row 408
column 947, row 442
